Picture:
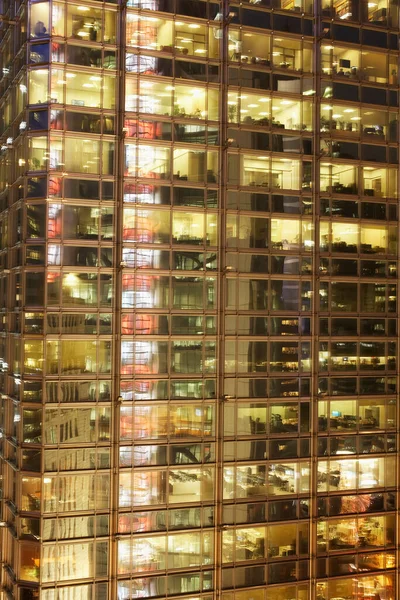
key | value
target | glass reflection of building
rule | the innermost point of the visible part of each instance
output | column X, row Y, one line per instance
column 198, row 275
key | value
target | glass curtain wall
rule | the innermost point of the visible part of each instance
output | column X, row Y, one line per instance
column 169, row 302
column 198, row 293
column 58, row 208
column 356, row 420
column 269, row 258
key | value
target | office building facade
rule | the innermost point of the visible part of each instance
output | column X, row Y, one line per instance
column 198, row 289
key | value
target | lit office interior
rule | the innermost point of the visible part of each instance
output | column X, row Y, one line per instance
column 199, row 242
